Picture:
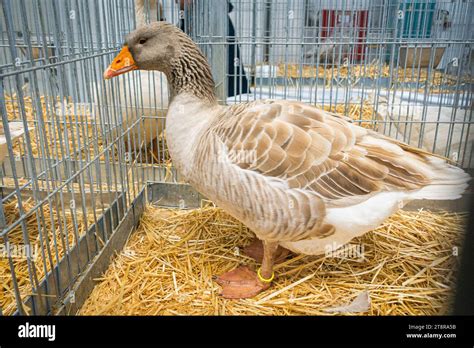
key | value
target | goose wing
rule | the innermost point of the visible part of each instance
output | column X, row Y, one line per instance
column 309, row 149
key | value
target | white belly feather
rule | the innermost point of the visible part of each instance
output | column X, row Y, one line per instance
column 351, row 222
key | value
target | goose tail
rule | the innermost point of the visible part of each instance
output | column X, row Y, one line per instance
column 448, row 182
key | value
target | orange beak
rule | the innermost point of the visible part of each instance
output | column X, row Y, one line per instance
column 121, row 64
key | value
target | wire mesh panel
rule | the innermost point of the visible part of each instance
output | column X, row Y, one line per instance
column 68, row 178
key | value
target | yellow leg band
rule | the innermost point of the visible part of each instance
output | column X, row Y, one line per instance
column 263, row 279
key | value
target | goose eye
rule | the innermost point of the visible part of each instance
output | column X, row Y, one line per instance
column 142, row 41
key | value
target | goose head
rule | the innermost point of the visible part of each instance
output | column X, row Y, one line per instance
column 163, row 47
column 150, row 47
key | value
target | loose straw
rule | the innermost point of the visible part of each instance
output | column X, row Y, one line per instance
column 408, row 268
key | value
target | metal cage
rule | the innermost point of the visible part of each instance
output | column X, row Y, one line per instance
column 79, row 153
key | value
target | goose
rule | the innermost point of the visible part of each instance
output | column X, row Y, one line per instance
column 144, row 95
column 300, row 178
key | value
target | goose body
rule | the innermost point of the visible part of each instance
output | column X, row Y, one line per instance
column 299, row 177
column 145, row 97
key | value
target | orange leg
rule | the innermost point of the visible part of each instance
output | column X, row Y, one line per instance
column 245, row 283
column 255, row 251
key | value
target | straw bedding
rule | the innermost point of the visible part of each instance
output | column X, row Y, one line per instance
column 373, row 71
column 362, row 111
column 56, row 221
column 72, row 126
column 407, row 266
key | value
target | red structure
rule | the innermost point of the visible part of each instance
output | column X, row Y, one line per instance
column 335, row 22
